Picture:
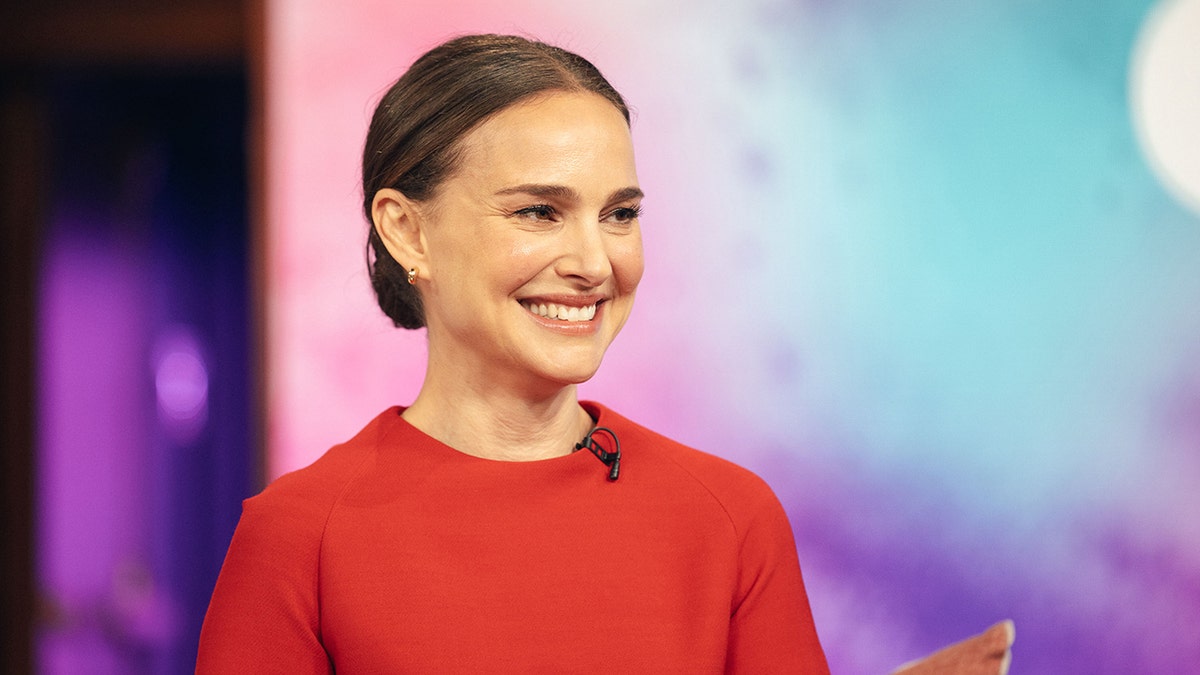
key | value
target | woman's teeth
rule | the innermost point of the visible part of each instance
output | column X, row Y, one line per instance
column 561, row 312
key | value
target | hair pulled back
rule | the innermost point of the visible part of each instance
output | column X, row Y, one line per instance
column 412, row 143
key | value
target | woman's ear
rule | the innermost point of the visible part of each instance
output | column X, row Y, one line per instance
column 398, row 223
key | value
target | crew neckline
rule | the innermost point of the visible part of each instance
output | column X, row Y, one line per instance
column 597, row 412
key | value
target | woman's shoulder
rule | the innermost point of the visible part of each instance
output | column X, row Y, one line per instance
column 735, row 487
column 268, row 588
column 317, row 487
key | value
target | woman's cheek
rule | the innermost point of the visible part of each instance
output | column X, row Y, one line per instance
column 628, row 263
column 525, row 250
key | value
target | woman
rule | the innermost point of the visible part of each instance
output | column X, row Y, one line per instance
column 476, row 530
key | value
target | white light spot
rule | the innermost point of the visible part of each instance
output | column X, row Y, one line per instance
column 181, row 384
column 1165, row 96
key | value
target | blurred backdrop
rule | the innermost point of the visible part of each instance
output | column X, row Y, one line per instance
column 129, row 423
column 931, row 268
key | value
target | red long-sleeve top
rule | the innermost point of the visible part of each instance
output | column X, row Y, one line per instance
column 394, row 553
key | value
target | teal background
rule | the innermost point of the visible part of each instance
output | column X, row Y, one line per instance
column 973, row 319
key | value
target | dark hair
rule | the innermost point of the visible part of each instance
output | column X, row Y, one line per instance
column 412, row 144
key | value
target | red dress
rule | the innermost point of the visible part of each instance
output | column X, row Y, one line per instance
column 394, row 553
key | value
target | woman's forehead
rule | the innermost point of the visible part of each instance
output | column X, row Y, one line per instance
column 551, row 140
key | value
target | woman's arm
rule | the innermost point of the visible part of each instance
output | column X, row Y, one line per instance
column 771, row 629
column 264, row 615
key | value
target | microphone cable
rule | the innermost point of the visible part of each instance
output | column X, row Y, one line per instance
column 611, row 459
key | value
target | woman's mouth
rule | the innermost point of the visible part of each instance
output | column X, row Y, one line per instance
column 568, row 313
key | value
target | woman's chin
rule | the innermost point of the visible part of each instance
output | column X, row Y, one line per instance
column 576, row 376
column 571, row 371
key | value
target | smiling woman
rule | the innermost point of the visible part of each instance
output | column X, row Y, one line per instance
column 540, row 211
column 466, row 532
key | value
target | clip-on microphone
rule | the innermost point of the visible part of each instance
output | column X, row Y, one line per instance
column 610, row 459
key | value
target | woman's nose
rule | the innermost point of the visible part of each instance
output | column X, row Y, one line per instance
column 584, row 255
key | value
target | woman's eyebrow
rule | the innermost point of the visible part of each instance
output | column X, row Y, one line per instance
column 564, row 193
column 627, row 193
column 542, row 191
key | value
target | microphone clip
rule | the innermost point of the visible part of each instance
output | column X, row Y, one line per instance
column 611, row 459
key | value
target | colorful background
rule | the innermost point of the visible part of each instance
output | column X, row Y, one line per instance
column 909, row 261
column 931, row 268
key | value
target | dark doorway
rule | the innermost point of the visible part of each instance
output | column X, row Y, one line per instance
column 129, row 434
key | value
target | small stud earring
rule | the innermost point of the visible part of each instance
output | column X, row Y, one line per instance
column 412, row 276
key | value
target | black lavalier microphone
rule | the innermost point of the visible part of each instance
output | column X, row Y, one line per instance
column 610, row 459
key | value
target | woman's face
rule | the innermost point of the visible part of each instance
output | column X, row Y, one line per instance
column 533, row 246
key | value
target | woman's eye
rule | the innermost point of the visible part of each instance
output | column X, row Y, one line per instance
column 538, row 212
column 626, row 214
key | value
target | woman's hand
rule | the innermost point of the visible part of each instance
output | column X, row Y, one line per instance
column 985, row 654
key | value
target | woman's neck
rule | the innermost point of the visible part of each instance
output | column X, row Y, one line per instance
column 497, row 423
